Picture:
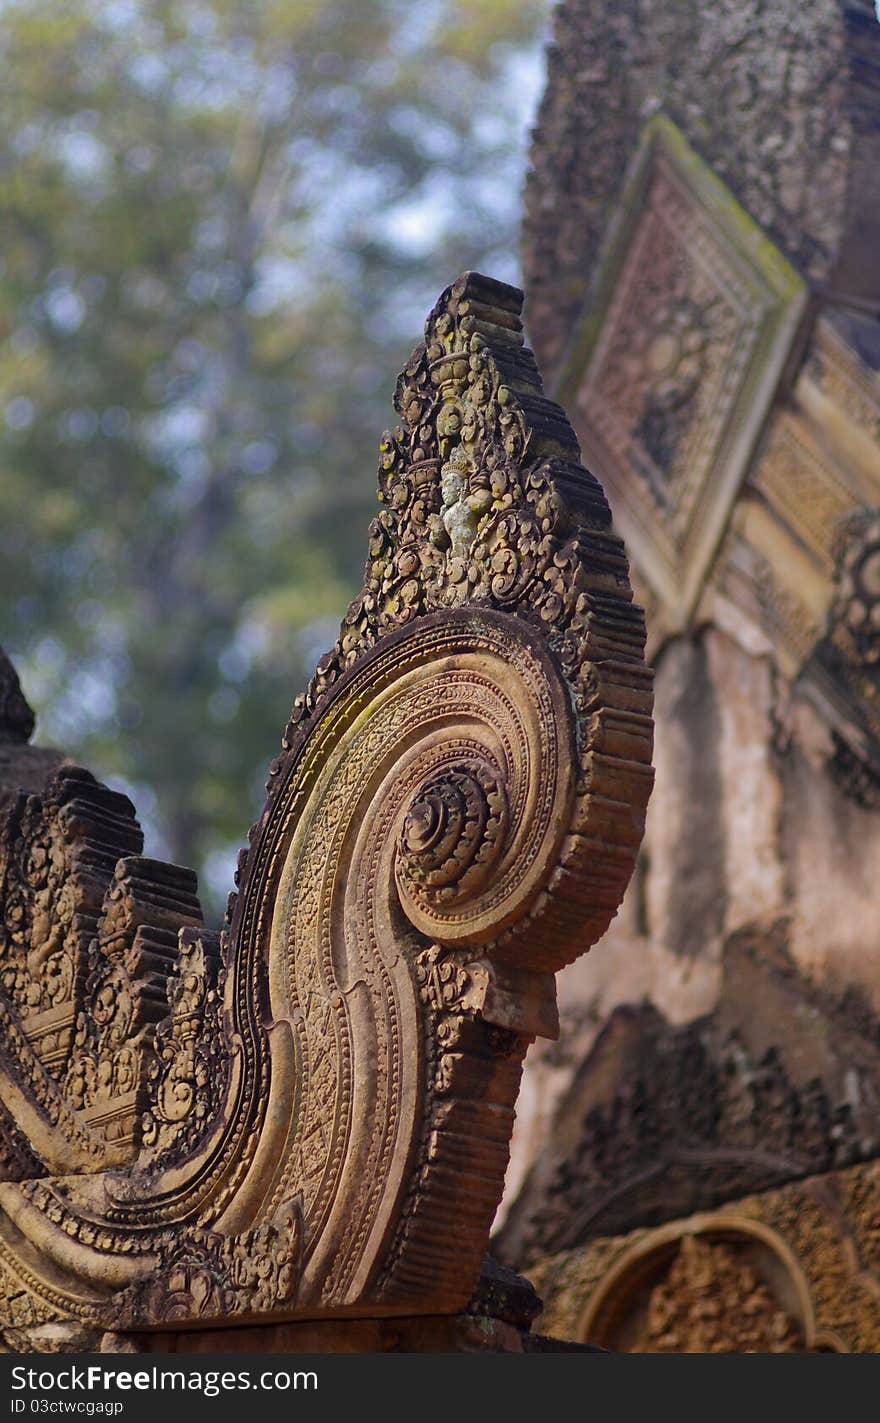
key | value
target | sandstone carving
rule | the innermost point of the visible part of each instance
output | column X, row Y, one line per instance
column 713, row 231
column 790, row 1270
column 311, row 1113
column 674, row 366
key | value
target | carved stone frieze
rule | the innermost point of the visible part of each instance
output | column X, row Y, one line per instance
column 681, row 150
column 786, row 1271
column 313, row 1112
column 661, row 1120
column 54, row 886
column 124, row 995
column 780, row 102
column 58, row 850
column 806, row 487
column 855, row 615
column 205, row 1275
column 814, row 481
column 190, row 1059
column 710, row 1301
column 676, row 363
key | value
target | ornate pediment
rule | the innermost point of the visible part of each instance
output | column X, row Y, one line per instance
column 310, row 1114
column 675, row 365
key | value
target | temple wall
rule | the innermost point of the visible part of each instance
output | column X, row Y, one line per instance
column 788, row 1271
column 748, row 836
column 713, row 224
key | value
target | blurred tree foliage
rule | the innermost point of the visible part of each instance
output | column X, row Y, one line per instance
column 223, row 222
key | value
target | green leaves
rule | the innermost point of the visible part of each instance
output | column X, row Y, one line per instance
column 223, row 224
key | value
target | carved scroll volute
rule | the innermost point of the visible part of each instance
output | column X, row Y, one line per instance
column 454, row 817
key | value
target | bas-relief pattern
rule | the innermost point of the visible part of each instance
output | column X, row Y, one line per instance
column 658, row 186
column 791, row 1270
column 779, row 1081
column 674, row 368
column 848, row 659
column 734, row 462
column 312, row 1112
column 779, row 100
column 184, row 1080
column 799, row 558
column 679, row 159
column 710, row 1302
column 672, row 354
column 124, row 994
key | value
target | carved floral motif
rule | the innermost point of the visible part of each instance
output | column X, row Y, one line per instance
column 677, row 358
column 788, row 1270
column 850, row 655
column 127, row 968
column 680, row 335
column 190, row 1056
column 454, row 815
column 204, row 1275
column 711, row 1302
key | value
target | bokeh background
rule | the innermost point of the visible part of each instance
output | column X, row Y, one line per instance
column 223, row 225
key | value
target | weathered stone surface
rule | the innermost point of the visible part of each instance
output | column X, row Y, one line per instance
column 730, row 1040
column 786, row 1271
column 418, row 1334
column 22, row 766
column 310, row 1116
column 780, row 100
column 676, row 359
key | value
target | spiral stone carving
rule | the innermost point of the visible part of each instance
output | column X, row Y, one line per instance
column 454, row 816
column 482, row 826
column 453, row 831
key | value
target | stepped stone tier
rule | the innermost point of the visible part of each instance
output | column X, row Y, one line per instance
column 702, row 232
column 306, row 1116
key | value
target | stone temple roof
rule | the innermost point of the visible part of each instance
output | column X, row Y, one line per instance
column 780, row 100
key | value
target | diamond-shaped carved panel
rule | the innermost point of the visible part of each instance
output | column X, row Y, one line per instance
column 678, row 361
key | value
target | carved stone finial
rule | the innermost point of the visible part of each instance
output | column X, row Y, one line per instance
column 16, row 717
column 328, row 1095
